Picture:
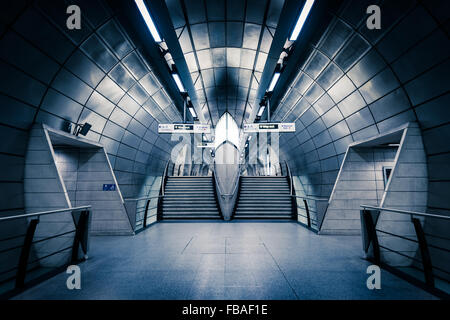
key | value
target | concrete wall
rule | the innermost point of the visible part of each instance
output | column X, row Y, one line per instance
column 367, row 83
column 360, row 181
column 84, row 171
column 58, row 76
column 45, row 190
column 406, row 190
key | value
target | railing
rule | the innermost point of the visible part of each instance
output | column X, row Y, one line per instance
column 144, row 220
column 428, row 279
column 291, row 191
column 259, row 169
column 20, row 246
column 193, row 169
column 164, row 176
column 289, row 174
column 312, row 207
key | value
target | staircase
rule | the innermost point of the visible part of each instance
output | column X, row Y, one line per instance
column 188, row 197
column 263, row 197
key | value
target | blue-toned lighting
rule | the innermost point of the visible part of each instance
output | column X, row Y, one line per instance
column 261, row 111
column 192, row 111
column 274, row 81
column 301, row 20
column 177, row 79
column 148, row 20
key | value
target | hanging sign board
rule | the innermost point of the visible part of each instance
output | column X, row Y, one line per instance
column 183, row 128
column 206, row 145
column 269, row 127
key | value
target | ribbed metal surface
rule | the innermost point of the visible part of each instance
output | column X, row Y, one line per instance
column 190, row 198
column 264, row 198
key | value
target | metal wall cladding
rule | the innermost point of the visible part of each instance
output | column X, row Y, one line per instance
column 94, row 75
column 371, row 81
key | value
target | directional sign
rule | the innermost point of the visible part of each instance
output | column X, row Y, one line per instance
column 269, row 127
column 183, row 128
column 206, row 145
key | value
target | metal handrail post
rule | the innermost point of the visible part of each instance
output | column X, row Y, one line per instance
column 25, row 253
column 80, row 233
column 372, row 234
column 307, row 212
column 426, row 258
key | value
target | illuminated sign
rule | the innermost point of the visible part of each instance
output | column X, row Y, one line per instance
column 206, row 145
column 269, row 127
column 183, row 128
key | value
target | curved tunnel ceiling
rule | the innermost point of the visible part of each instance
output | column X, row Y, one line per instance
column 225, row 45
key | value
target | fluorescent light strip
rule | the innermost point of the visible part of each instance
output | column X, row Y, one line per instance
column 148, row 20
column 192, row 111
column 301, row 20
column 261, row 111
column 274, row 81
column 177, row 79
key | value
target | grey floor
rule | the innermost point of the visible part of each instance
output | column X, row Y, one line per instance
column 238, row 260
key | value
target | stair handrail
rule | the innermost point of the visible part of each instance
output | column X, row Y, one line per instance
column 290, row 178
column 163, row 180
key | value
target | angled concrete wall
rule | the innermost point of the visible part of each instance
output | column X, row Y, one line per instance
column 84, row 171
column 407, row 189
column 45, row 190
column 360, row 181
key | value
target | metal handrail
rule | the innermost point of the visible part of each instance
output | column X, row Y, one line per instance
column 310, row 198
column 81, row 235
column 415, row 213
column 143, row 198
column 35, row 214
column 290, row 178
column 164, row 178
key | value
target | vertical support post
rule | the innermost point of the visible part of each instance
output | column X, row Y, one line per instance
column 307, row 212
column 372, row 234
column 146, row 213
column 80, row 233
column 25, row 253
column 268, row 110
column 426, row 258
column 184, row 109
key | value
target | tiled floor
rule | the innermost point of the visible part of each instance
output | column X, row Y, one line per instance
column 217, row 260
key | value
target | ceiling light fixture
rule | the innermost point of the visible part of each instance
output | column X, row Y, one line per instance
column 193, row 113
column 274, row 81
column 261, row 110
column 301, row 20
column 148, row 20
column 177, row 79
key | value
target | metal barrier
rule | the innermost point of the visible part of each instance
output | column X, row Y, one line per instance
column 144, row 220
column 313, row 212
column 372, row 247
column 24, row 266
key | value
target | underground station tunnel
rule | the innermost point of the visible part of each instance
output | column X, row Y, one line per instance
column 225, row 149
